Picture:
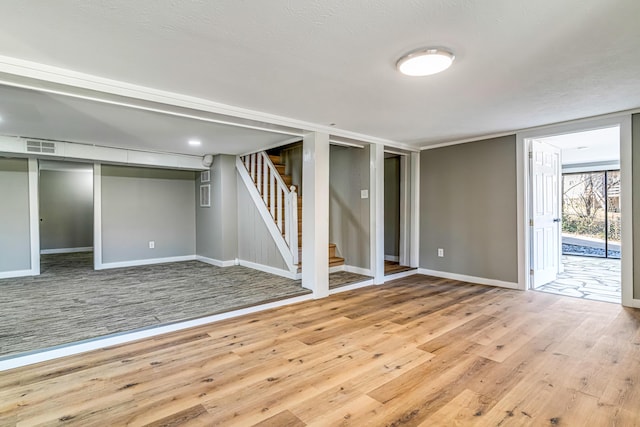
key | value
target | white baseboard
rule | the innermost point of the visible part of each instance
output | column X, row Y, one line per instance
column 99, row 343
column 17, row 273
column 217, row 262
column 358, row 270
column 139, row 262
column 400, row 275
column 336, row 268
column 470, row 279
column 393, row 258
column 268, row 269
column 66, row 250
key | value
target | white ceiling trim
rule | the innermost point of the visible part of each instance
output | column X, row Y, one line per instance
column 569, row 123
column 47, row 73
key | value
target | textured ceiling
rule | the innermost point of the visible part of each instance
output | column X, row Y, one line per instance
column 518, row 63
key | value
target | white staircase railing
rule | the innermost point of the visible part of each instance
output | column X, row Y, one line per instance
column 281, row 201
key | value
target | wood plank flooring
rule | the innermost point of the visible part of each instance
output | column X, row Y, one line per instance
column 393, row 267
column 419, row 351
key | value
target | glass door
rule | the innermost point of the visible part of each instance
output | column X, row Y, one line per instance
column 613, row 214
column 591, row 214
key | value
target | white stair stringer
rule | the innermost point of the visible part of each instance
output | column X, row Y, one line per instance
column 275, row 233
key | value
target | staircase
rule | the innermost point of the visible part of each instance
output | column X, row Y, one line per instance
column 257, row 164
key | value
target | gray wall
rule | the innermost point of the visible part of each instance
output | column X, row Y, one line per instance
column 66, row 209
column 139, row 205
column 255, row 243
column 217, row 226
column 468, row 207
column 15, row 245
column 392, row 206
column 636, row 203
column 349, row 215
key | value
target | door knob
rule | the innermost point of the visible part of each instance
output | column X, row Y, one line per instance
column 556, row 219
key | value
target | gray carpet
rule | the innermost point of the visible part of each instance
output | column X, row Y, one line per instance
column 71, row 302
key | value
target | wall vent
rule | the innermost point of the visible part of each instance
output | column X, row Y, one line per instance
column 45, row 147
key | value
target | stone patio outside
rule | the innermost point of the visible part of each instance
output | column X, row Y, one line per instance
column 588, row 277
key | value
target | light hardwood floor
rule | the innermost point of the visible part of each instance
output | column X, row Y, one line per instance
column 417, row 352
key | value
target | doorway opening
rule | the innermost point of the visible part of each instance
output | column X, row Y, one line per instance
column 575, row 214
column 66, row 220
column 396, row 213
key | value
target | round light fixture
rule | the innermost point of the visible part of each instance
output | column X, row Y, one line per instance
column 424, row 62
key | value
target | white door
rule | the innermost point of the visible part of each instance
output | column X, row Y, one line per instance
column 545, row 213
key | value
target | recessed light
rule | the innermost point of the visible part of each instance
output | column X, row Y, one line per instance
column 195, row 142
column 424, row 62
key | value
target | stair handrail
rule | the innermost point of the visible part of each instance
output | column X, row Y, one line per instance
column 274, row 191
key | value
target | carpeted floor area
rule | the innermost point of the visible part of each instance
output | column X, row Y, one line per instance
column 70, row 302
column 588, row 277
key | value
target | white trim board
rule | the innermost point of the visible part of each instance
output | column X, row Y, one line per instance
column 217, row 262
column 149, row 261
column 268, row 269
column 100, row 343
column 351, row 287
column 400, row 275
column 66, row 250
column 73, row 80
column 469, row 279
column 394, row 258
column 16, row 273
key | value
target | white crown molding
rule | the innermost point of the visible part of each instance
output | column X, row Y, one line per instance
column 74, row 79
column 533, row 129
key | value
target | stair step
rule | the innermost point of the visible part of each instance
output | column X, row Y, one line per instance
column 333, row 262
column 280, row 169
column 287, row 179
column 332, row 250
column 336, row 261
column 276, row 160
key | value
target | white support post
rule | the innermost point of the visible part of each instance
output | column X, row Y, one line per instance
column 97, row 216
column 315, row 213
column 376, row 199
column 34, row 216
column 414, row 260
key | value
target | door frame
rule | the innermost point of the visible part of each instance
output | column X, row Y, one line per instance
column 404, row 227
column 623, row 120
column 34, row 214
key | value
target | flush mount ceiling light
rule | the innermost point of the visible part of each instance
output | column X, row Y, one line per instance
column 195, row 142
column 424, row 62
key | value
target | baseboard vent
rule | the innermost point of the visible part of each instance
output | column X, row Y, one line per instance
column 44, row 147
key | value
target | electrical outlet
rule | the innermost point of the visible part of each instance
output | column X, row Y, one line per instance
column 440, row 252
column 364, row 194
column 152, row 244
